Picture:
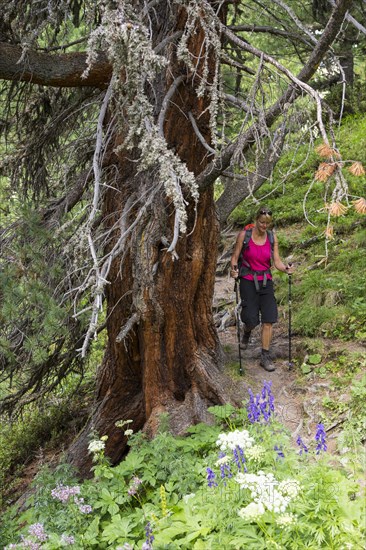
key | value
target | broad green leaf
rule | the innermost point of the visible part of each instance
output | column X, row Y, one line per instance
column 315, row 359
column 119, row 527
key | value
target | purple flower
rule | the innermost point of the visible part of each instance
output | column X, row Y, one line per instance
column 224, row 468
column 261, row 405
column 64, row 492
column 149, row 537
column 236, row 458
column 279, row 452
column 267, row 405
column 211, row 478
column 26, row 543
column 253, row 412
column 67, row 539
column 301, row 444
column 239, row 458
column 132, row 490
column 320, row 437
column 37, row 531
column 85, row 509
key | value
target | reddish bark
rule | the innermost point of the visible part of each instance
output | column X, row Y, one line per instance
column 171, row 360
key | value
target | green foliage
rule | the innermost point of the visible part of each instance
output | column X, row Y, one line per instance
column 174, row 489
column 356, row 420
column 40, row 427
column 293, row 178
column 37, row 331
column 331, row 301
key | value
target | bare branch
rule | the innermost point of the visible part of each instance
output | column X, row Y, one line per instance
column 53, row 213
column 240, row 186
column 216, row 167
column 199, row 135
column 239, row 103
column 269, row 30
column 127, row 327
column 351, row 19
column 166, row 102
column 227, row 60
column 296, row 20
column 171, row 38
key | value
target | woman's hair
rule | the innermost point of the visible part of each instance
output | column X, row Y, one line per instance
column 263, row 211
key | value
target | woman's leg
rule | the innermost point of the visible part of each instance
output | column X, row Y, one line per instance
column 269, row 316
column 266, row 335
column 249, row 309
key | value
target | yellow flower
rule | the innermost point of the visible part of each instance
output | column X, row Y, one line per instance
column 360, row 205
column 357, row 169
column 164, row 509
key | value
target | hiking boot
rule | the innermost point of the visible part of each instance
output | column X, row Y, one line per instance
column 245, row 340
column 266, row 362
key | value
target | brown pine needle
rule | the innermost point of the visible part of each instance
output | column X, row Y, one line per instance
column 357, row 169
column 360, row 205
column 324, row 150
column 337, row 209
column 325, row 170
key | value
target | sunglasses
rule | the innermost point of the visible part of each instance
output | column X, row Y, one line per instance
column 265, row 212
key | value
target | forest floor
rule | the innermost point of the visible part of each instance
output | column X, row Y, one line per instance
column 298, row 397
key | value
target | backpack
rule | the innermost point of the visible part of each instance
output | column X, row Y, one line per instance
column 245, row 269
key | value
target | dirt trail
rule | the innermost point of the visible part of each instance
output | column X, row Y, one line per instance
column 298, row 398
column 288, row 396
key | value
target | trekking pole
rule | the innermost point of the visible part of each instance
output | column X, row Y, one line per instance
column 290, row 363
column 238, row 324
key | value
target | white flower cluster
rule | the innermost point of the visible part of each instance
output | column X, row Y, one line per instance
column 266, row 490
column 232, row 440
column 222, row 461
column 188, row 497
column 96, row 446
column 121, row 423
column 289, row 487
column 253, row 511
column 255, row 453
column 285, row 520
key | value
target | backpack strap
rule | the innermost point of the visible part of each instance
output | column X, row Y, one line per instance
column 270, row 236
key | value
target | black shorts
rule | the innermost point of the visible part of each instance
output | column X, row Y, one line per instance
column 257, row 307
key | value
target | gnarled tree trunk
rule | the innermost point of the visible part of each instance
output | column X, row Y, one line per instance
column 170, row 358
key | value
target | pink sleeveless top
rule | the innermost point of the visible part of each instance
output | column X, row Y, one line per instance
column 258, row 257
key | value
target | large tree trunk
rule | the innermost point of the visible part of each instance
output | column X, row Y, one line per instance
column 170, row 360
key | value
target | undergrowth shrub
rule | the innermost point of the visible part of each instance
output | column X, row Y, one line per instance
column 330, row 300
column 38, row 428
column 240, row 483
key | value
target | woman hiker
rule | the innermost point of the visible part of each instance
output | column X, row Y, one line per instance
column 256, row 246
